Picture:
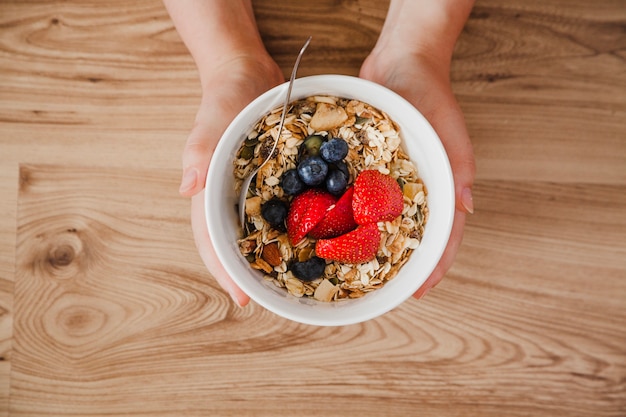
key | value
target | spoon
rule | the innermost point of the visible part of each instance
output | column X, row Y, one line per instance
column 246, row 184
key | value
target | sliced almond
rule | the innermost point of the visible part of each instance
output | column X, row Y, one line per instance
column 253, row 206
column 325, row 291
column 328, row 116
column 410, row 189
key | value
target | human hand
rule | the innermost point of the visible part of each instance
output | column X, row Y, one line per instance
column 227, row 90
column 423, row 81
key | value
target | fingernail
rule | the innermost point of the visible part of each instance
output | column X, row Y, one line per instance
column 190, row 178
column 423, row 294
column 423, row 291
column 235, row 299
column 467, row 201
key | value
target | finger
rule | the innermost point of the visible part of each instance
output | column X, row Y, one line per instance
column 450, row 125
column 199, row 148
column 196, row 158
column 211, row 122
column 207, row 252
column 446, row 261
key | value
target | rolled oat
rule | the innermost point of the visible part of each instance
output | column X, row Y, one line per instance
column 374, row 143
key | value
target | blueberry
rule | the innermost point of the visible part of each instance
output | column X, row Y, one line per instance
column 341, row 166
column 312, row 170
column 309, row 270
column 274, row 212
column 291, row 182
column 334, row 150
column 336, row 182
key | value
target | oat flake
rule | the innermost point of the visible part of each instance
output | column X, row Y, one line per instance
column 374, row 142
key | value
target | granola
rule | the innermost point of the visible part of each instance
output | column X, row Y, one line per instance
column 374, row 143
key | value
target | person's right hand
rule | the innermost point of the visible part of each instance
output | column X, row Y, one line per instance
column 226, row 91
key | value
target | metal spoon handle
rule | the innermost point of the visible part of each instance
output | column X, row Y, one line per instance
column 287, row 98
column 246, row 184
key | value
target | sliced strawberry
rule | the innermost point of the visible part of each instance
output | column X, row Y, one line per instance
column 357, row 246
column 338, row 220
column 377, row 197
column 306, row 211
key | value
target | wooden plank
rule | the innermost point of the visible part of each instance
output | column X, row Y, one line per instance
column 543, row 88
column 115, row 314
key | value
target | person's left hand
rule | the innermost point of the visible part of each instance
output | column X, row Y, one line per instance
column 227, row 90
column 424, row 82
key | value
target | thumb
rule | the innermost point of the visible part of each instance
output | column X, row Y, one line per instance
column 196, row 158
column 463, row 166
column 210, row 123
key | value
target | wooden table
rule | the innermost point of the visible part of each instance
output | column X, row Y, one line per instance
column 106, row 308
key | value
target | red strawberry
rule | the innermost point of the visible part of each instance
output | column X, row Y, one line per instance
column 357, row 246
column 377, row 197
column 338, row 220
column 306, row 211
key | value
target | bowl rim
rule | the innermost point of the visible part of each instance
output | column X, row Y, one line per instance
column 241, row 125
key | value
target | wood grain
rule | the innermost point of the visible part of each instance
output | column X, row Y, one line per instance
column 545, row 84
column 112, row 315
column 106, row 308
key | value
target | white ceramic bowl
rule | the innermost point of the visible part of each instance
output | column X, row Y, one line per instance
column 422, row 145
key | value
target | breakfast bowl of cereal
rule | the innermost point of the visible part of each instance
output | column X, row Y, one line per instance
column 351, row 213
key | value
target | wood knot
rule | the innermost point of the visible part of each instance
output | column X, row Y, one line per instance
column 61, row 256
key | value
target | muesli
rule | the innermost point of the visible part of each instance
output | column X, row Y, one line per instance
column 282, row 237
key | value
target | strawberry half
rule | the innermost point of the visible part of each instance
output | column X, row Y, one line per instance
column 306, row 211
column 338, row 220
column 357, row 246
column 377, row 197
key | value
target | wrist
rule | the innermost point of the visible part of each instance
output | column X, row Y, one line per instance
column 216, row 32
column 427, row 29
column 251, row 70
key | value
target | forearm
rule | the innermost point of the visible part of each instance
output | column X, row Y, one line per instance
column 426, row 26
column 216, row 31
